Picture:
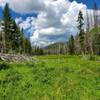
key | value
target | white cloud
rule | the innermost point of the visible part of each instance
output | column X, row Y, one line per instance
column 55, row 18
column 26, row 6
column 18, row 20
column 51, row 31
column 2, row 2
column 58, row 18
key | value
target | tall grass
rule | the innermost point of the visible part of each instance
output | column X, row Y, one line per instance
column 51, row 78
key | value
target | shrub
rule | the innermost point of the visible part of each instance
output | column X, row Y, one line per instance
column 4, row 66
column 90, row 57
column 66, row 69
column 30, row 64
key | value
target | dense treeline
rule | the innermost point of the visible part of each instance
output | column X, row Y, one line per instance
column 12, row 39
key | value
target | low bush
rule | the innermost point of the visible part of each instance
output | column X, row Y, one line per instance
column 4, row 66
column 90, row 57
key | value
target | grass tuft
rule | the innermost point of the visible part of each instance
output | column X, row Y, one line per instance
column 4, row 66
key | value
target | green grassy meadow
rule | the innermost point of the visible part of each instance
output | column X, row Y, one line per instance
column 55, row 77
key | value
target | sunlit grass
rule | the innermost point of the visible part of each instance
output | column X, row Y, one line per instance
column 55, row 77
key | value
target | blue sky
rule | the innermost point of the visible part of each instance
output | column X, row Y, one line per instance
column 47, row 21
column 90, row 3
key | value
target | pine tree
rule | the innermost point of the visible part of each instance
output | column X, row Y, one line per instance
column 81, row 31
column 27, row 46
column 15, row 37
column 71, row 46
column 7, row 26
column 15, row 42
column 21, row 43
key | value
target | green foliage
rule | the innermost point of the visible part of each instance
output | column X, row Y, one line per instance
column 27, row 46
column 37, row 50
column 90, row 57
column 7, row 21
column 71, row 45
column 94, row 30
column 95, row 37
column 80, row 21
column 14, row 40
column 4, row 66
column 81, row 31
column 97, row 44
column 51, row 78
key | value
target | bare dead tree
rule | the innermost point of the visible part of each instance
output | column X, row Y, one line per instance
column 87, row 21
column 95, row 15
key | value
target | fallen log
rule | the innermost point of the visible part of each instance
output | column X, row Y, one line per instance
column 15, row 57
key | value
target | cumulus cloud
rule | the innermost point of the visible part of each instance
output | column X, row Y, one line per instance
column 55, row 18
column 26, row 6
column 58, row 19
column 3, row 2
